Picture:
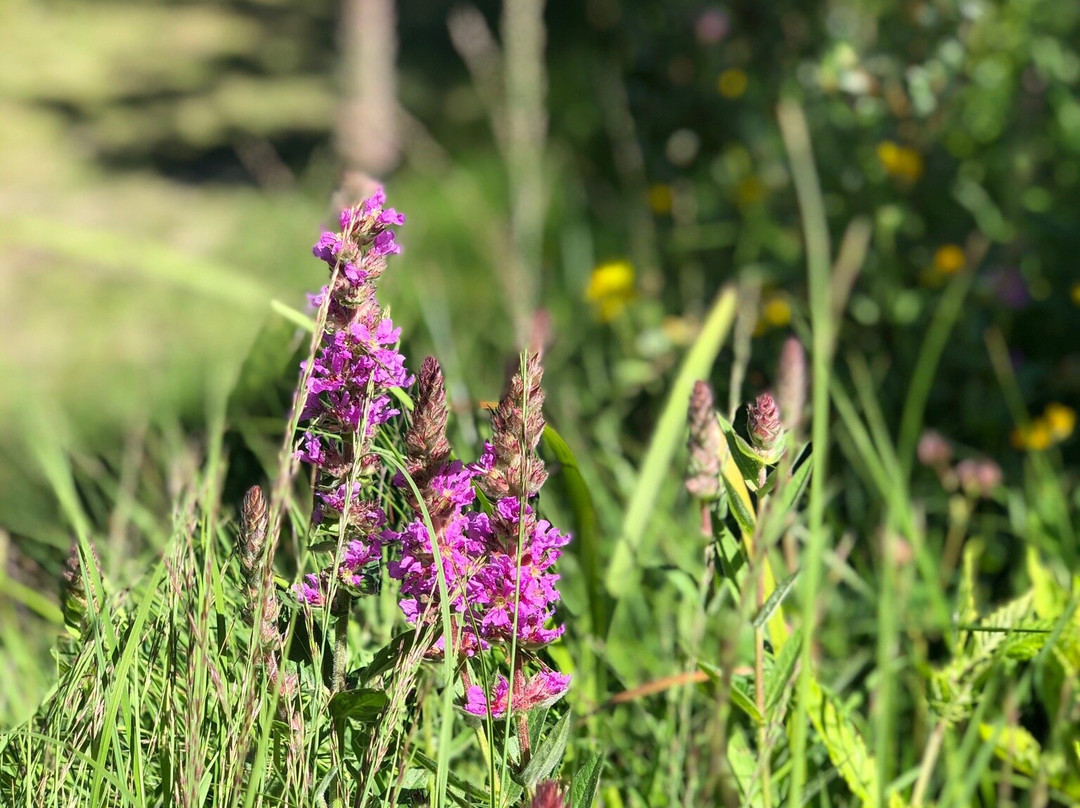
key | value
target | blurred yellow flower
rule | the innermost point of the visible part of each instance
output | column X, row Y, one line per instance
column 1035, row 437
column 949, row 259
column 611, row 288
column 1075, row 294
column 776, row 311
column 732, row 83
column 901, row 162
column 660, row 198
column 1055, row 425
column 750, row 190
column 1061, row 420
column 679, row 330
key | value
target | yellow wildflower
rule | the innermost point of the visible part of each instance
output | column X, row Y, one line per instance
column 901, row 162
column 1055, row 425
column 949, row 259
column 1076, row 293
column 1060, row 420
column 660, row 199
column 1035, row 437
column 679, row 330
column 611, row 288
column 750, row 191
column 776, row 311
column 732, row 83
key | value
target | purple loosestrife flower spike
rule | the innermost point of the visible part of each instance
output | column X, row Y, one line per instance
column 766, row 428
column 540, row 690
column 310, row 591
column 705, row 444
column 348, row 392
column 549, row 794
column 481, row 552
column 517, row 424
column 425, row 440
column 791, row 384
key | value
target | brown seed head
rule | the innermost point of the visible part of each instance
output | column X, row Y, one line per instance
column 255, row 568
column 253, row 516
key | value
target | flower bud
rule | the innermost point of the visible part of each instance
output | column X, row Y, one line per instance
column 791, row 383
column 933, row 449
column 705, row 445
column 425, row 440
column 978, row 478
column 517, row 424
column 253, row 520
column 766, row 428
column 549, row 795
column 257, row 571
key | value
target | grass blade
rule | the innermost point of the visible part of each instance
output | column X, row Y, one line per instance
column 656, row 467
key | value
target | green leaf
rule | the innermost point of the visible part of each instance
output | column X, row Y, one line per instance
column 774, row 601
column 794, row 487
column 547, row 756
column 415, row 778
column 586, row 544
column 744, row 768
column 741, row 697
column 742, row 453
column 1015, row 745
column 364, row 705
column 845, row 747
column 742, row 514
column 586, row 782
column 1050, row 599
column 776, row 680
column 537, row 722
column 966, row 610
column 738, row 693
column 295, row 317
column 477, row 796
column 387, row 656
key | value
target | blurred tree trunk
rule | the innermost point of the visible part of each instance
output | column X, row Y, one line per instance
column 366, row 135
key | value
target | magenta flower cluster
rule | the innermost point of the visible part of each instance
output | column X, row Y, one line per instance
column 540, row 690
column 347, row 393
column 496, row 561
column 483, row 578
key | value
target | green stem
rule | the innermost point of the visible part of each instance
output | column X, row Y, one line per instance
column 341, row 647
